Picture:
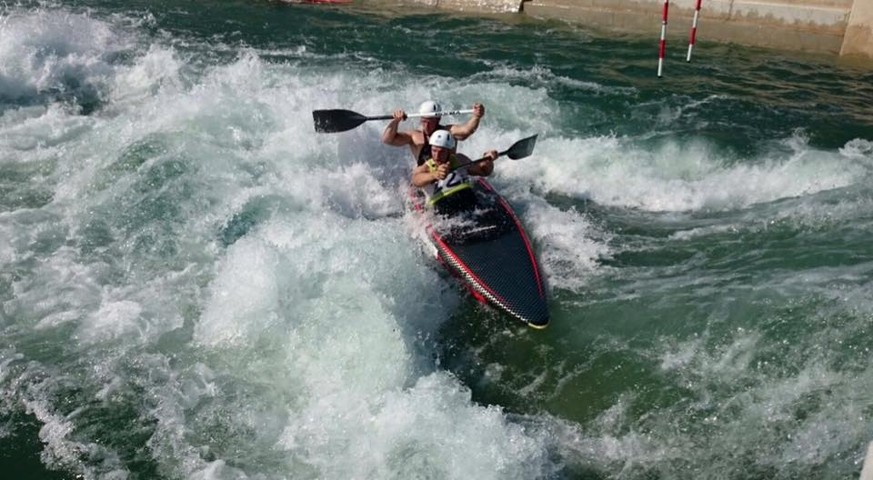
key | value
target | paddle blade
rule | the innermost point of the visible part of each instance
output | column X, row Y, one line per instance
column 522, row 148
column 332, row 121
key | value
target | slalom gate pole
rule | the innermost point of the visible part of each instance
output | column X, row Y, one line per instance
column 663, row 47
column 692, row 37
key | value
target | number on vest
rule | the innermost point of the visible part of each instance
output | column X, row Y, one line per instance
column 450, row 181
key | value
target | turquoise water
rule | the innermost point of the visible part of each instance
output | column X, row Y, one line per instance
column 196, row 285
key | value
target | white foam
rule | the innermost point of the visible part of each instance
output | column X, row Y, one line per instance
column 540, row 76
column 218, row 470
column 426, row 430
column 39, row 134
column 684, row 235
column 159, row 68
column 734, row 386
column 114, row 319
column 724, row 363
column 316, row 323
column 681, row 177
column 570, row 246
column 362, row 406
column 245, row 289
column 40, row 48
column 858, row 148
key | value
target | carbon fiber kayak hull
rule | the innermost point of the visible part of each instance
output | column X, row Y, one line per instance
column 487, row 248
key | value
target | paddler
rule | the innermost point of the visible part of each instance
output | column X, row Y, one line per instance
column 418, row 139
column 445, row 176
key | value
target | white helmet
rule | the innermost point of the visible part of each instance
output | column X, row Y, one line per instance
column 442, row 139
column 429, row 107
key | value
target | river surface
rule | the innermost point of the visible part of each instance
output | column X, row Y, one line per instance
column 196, row 285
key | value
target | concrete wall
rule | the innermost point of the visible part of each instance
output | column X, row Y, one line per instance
column 839, row 27
column 859, row 33
column 500, row 6
column 809, row 25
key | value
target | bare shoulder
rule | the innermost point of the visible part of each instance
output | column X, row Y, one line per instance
column 417, row 135
column 404, row 138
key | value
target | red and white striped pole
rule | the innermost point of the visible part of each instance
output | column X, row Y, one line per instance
column 693, row 35
column 663, row 46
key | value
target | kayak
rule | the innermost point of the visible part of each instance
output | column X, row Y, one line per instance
column 487, row 249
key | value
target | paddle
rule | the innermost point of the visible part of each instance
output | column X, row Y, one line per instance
column 520, row 149
column 333, row 121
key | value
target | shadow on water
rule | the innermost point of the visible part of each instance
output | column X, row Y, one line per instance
column 114, row 421
column 70, row 90
column 20, row 449
column 252, row 213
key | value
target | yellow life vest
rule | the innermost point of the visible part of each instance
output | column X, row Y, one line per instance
column 454, row 182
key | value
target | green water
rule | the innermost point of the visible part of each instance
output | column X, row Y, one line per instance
column 196, row 285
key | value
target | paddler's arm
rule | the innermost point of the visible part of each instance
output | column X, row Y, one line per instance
column 485, row 167
column 461, row 132
column 422, row 176
column 391, row 136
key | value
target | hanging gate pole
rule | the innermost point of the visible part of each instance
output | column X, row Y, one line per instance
column 692, row 37
column 663, row 47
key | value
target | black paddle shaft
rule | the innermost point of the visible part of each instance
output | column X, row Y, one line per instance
column 520, row 149
column 338, row 120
